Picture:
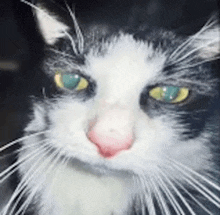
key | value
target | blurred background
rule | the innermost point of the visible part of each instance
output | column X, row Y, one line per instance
column 21, row 45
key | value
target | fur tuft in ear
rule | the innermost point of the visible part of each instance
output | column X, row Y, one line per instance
column 207, row 40
column 50, row 28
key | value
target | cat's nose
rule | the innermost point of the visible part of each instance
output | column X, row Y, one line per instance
column 112, row 133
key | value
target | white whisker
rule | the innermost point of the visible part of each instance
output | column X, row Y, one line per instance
column 77, row 29
column 73, row 44
column 193, row 198
column 142, row 196
column 199, row 63
column 26, row 179
column 61, row 53
column 178, row 193
column 189, row 41
column 149, row 200
column 13, row 168
column 159, row 197
column 21, row 139
column 201, row 188
column 171, row 197
column 201, row 177
column 188, row 54
column 30, row 197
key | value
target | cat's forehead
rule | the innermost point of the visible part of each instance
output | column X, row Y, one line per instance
column 125, row 67
column 125, row 56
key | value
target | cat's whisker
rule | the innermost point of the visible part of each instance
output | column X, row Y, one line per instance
column 199, row 63
column 143, row 196
column 180, row 49
column 55, row 159
column 5, row 156
column 13, row 168
column 79, row 34
column 8, row 145
column 73, row 44
column 159, row 196
column 188, row 60
column 181, row 167
column 61, row 53
column 149, row 199
column 29, row 175
column 170, row 196
column 71, row 64
column 178, row 193
column 188, row 54
column 202, row 189
column 193, row 198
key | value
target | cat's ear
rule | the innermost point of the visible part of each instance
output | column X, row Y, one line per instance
column 207, row 40
column 50, row 26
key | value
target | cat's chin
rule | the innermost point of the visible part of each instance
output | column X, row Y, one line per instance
column 122, row 165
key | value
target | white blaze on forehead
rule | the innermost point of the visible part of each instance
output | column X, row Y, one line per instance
column 126, row 68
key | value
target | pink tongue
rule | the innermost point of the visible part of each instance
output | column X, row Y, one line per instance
column 109, row 146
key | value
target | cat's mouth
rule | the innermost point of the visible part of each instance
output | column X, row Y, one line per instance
column 100, row 168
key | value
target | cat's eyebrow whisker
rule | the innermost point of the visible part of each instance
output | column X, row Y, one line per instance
column 178, row 193
column 21, row 139
column 13, row 168
column 188, row 54
column 199, row 63
column 73, row 44
column 26, row 179
column 170, row 196
column 205, row 85
column 61, row 53
column 72, row 65
column 33, row 193
column 186, row 44
column 187, row 60
column 77, row 29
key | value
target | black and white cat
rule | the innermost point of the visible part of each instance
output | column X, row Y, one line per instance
column 126, row 123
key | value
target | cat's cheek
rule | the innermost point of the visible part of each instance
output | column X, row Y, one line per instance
column 38, row 122
column 194, row 154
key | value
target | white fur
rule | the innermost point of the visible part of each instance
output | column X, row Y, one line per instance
column 67, row 188
column 51, row 29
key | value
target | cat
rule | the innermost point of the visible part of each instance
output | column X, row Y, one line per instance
column 125, row 123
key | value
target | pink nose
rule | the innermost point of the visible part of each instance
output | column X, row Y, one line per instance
column 110, row 143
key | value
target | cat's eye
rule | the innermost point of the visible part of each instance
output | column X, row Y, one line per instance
column 70, row 81
column 169, row 94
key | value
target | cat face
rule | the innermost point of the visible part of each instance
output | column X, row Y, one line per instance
column 137, row 103
column 134, row 103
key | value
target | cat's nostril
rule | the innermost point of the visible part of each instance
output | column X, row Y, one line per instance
column 108, row 145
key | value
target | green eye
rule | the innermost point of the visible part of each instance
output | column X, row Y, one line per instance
column 169, row 94
column 70, row 81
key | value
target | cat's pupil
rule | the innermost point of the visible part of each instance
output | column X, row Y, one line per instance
column 170, row 93
column 70, row 81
